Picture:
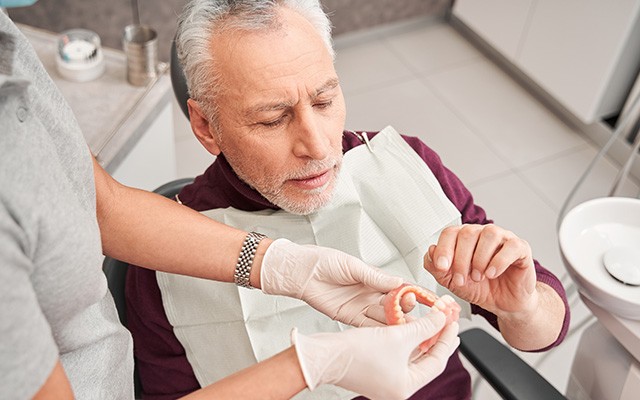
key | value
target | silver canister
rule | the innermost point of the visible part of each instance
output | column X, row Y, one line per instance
column 140, row 43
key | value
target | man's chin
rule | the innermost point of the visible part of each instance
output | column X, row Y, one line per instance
column 312, row 205
column 303, row 210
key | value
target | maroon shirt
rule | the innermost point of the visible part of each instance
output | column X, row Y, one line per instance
column 160, row 358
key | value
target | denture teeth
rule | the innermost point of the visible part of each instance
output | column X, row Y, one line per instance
column 393, row 310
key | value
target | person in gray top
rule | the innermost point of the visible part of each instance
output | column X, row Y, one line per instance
column 59, row 211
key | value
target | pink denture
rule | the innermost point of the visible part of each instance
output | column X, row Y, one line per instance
column 394, row 314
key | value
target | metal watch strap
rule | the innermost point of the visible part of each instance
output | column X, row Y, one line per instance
column 245, row 259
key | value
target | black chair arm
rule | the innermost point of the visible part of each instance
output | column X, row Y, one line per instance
column 510, row 376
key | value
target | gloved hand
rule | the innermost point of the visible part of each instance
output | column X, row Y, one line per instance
column 376, row 362
column 334, row 283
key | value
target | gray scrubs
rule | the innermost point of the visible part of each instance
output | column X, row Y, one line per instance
column 54, row 302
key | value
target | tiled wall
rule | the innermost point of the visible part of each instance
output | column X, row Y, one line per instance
column 108, row 18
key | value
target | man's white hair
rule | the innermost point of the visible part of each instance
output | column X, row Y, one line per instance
column 201, row 19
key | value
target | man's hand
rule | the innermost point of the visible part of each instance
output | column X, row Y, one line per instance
column 485, row 265
column 334, row 283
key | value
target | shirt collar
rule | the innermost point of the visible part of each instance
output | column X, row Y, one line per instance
column 220, row 187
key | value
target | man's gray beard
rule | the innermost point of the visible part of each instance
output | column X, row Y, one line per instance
column 313, row 204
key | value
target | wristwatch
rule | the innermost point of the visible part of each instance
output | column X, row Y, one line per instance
column 245, row 259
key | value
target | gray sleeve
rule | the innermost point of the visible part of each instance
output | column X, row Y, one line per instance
column 28, row 351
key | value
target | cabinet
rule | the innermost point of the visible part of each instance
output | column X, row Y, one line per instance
column 584, row 53
column 501, row 23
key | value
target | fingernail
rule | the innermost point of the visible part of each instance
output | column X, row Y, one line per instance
column 458, row 279
column 443, row 262
column 476, row 275
column 490, row 272
column 429, row 258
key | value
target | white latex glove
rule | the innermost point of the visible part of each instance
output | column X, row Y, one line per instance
column 334, row 283
column 377, row 362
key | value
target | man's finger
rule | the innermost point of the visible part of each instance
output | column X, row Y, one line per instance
column 512, row 251
column 445, row 249
column 491, row 240
column 430, row 265
column 465, row 246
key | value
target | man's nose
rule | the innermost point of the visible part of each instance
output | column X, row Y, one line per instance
column 310, row 139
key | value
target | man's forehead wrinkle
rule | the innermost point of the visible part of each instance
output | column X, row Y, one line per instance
column 273, row 80
column 310, row 58
column 234, row 50
column 224, row 46
column 233, row 38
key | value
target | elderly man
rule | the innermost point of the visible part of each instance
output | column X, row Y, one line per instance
column 266, row 100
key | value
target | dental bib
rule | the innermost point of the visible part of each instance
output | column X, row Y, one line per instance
column 387, row 209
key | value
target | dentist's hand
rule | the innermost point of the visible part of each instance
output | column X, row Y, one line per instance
column 485, row 265
column 377, row 362
column 334, row 283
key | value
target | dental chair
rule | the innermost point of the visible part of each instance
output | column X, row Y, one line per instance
column 510, row 376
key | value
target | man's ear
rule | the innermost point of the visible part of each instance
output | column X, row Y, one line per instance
column 202, row 128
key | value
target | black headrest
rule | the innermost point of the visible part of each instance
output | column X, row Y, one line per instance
column 178, row 81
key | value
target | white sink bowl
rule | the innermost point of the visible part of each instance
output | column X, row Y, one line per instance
column 607, row 226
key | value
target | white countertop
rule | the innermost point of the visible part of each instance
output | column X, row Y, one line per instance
column 112, row 114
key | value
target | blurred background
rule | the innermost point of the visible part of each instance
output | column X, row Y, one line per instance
column 107, row 18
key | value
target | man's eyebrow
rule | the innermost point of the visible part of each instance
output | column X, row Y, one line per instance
column 282, row 105
column 328, row 85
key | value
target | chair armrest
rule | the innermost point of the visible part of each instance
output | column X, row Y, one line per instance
column 508, row 374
